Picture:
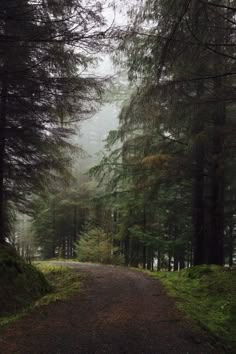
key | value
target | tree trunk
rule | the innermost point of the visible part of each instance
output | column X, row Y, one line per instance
column 176, row 262
column 158, row 260
column 144, row 257
column 182, row 259
column 231, row 246
column 198, row 208
column 3, row 109
column 149, row 258
column 216, row 229
column 215, row 234
column 169, row 261
column 75, row 230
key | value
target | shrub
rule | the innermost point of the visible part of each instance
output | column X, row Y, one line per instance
column 95, row 245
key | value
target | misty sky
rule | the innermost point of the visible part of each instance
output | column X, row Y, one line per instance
column 93, row 131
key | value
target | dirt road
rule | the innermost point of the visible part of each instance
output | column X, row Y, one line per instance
column 118, row 311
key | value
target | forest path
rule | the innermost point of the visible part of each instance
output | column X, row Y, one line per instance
column 118, row 311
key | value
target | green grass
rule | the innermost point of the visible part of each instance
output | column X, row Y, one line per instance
column 62, row 282
column 206, row 294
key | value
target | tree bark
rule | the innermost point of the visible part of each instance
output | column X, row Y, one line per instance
column 216, row 230
column 144, row 257
column 3, row 111
column 215, row 234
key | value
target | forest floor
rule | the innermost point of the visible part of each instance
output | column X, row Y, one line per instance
column 116, row 311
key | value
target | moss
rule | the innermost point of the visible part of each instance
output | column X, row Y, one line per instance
column 64, row 282
column 207, row 294
column 21, row 283
column 58, row 284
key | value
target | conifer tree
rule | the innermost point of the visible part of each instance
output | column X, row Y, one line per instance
column 45, row 47
column 181, row 53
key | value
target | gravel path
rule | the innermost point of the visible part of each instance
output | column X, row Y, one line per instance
column 118, row 311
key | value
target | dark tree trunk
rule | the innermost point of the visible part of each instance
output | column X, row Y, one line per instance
column 198, row 125
column 198, row 196
column 216, row 213
column 169, row 262
column 231, row 246
column 152, row 260
column 198, row 208
column 130, row 248
column 145, row 249
column 182, row 259
column 134, row 262
column 3, row 109
column 149, row 258
column 3, row 124
column 75, row 230
column 215, row 234
column 190, row 254
column 158, row 260
column 176, row 262
column 126, row 250
column 144, row 257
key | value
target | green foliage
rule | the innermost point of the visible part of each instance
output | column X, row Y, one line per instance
column 64, row 282
column 58, row 218
column 43, row 92
column 167, row 176
column 143, row 187
column 206, row 294
column 21, row 283
column 95, row 245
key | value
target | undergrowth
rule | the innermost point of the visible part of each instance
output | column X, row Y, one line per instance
column 60, row 283
column 64, row 282
column 21, row 283
column 207, row 294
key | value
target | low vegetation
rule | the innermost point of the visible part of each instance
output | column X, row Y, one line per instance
column 207, row 294
column 64, row 282
column 21, row 283
column 25, row 287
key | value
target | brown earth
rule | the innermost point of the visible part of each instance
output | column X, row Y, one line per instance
column 118, row 311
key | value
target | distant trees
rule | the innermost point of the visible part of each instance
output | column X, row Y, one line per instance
column 61, row 217
column 58, row 218
column 45, row 49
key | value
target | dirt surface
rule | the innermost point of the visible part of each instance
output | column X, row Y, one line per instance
column 118, row 311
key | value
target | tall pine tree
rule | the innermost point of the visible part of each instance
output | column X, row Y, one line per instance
column 45, row 47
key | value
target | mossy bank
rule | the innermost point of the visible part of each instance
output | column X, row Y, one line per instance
column 21, row 283
column 25, row 287
column 206, row 294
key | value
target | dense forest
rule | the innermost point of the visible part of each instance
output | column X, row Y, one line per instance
column 163, row 194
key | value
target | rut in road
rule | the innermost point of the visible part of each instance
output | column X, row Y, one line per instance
column 118, row 311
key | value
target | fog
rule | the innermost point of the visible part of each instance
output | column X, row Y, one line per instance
column 92, row 134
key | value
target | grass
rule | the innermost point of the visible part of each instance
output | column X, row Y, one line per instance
column 62, row 283
column 207, row 294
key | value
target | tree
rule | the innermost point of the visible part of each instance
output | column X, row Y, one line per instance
column 183, row 61
column 96, row 246
column 45, row 48
column 139, row 172
column 58, row 218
